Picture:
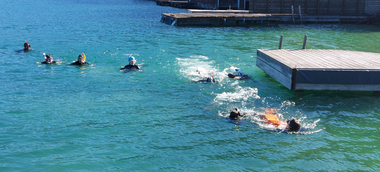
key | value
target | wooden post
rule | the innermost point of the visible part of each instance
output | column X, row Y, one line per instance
column 304, row 42
column 293, row 14
column 299, row 9
column 280, row 44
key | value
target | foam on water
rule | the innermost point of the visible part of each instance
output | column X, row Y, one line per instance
column 242, row 94
column 198, row 67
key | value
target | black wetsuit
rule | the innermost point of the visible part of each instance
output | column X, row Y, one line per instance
column 235, row 115
column 130, row 67
column 77, row 63
column 45, row 62
column 208, row 79
column 245, row 76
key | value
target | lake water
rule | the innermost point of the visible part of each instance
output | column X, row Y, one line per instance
column 96, row 118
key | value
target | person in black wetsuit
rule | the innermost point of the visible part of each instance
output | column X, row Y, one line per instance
column 235, row 114
column 131, row 64
column 238, row 75
column 208, row 79
column 81, row 60
column 293, row 125
column 48, row 59
column 26, row 46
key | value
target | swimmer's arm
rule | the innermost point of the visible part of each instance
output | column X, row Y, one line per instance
column 244, row 113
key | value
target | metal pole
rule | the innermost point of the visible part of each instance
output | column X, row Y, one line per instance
column 304, row 42
column 280, row 45
column 293, row 14
column 299, row 9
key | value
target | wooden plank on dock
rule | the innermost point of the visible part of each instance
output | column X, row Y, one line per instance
column 218, row 11
column 322, row 69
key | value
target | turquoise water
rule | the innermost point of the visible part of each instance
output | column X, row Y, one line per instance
column 96, row 118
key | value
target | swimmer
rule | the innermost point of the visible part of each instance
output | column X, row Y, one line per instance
column 238, row 75
column 235, row 114
column 48, row 59
column 26, row 46
column 81, row 60
column 271, row 118
column 208, row 79
column 131, row 64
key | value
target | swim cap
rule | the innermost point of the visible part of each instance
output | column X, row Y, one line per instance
column 26, row 41
column 236, row 70
column 131, row 58
column 212, row 75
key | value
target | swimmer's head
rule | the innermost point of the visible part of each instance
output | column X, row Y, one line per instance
column 132, row 60
column 293, row 125
column 212, row 76
column 236, row 109
column 81, row 59
column 49, row 58
column 26, row 45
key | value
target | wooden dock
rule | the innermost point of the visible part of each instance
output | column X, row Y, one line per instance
column 177, row 3
column 243, row 19
column 314, row 69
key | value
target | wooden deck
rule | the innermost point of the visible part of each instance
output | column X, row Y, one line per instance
column 177, row 3
column 217, row 11
column 322, row 69
column 220, row 18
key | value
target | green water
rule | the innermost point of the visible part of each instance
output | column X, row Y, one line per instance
column 96, row 118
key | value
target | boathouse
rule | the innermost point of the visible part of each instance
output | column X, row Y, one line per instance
column 316, row 6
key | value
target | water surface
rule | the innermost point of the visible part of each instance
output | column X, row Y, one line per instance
column 96, row 118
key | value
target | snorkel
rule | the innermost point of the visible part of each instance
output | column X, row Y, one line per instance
column 84, row 57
